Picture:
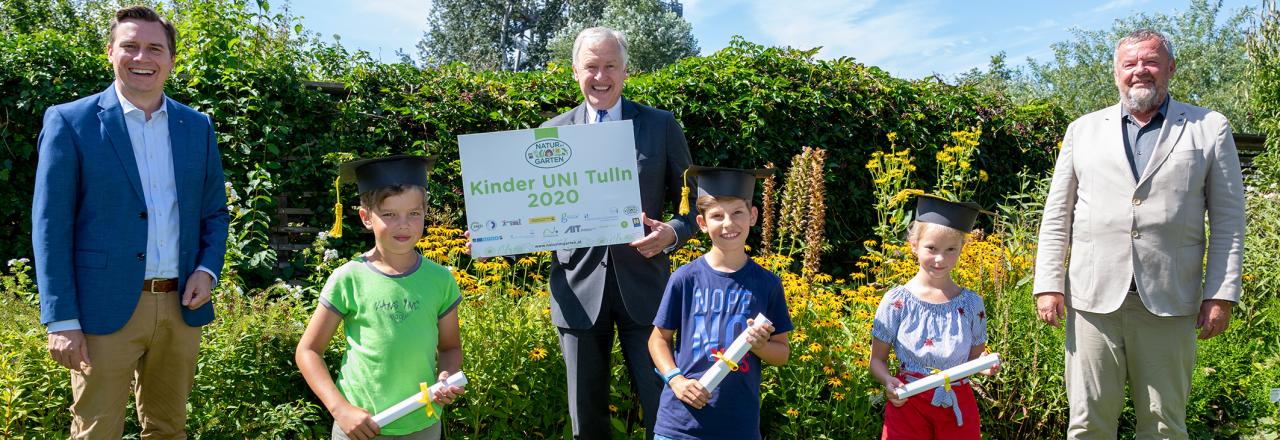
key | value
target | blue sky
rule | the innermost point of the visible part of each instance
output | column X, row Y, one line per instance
column 907, row 38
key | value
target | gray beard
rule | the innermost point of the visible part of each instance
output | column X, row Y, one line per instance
column 1140, row 100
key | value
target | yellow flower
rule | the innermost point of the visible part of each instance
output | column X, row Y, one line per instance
column 613, row 408
column 792, row 412
column 846, row 375
column 805, row 358
column 982, row 175
column 826, row 369
column 815, row 347
column 837, row 396
column 538, row 353
column 893, row 136
column 834, row 381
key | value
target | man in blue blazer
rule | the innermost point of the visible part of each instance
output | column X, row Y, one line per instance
column 129, row 228
column 595, row 290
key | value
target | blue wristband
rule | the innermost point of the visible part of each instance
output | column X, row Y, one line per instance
column 671, row 374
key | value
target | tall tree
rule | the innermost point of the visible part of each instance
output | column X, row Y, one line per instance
column 1001, row 79
column 499, row 34
column 655, row 34
column 1212, row 68
column 1264, row 60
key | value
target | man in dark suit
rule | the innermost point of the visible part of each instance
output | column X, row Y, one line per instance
column 129, row 210
column 595, row 290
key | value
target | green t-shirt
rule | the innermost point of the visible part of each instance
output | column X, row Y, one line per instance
column 390, row 322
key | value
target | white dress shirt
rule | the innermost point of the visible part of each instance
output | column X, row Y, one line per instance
column 153, row 153
column 615, row 113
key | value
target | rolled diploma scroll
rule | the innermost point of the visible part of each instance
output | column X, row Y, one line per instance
column 711, row 379
column 955, row 373
column 414, row 402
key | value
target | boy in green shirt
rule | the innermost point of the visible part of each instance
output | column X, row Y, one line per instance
column 400, row 312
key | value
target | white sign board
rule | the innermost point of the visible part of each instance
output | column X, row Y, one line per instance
column 551, row 188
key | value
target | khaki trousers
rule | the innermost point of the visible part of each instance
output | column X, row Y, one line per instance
column 155, row 354
column 1154, row 354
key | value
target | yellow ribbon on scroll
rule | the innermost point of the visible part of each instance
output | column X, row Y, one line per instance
column 733, row 366
column 426, row 400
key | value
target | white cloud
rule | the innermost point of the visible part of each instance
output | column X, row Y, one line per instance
column 907, row 39
column 696, row 10
column 1047, row 23
column 403, row 13
column 1117, row 4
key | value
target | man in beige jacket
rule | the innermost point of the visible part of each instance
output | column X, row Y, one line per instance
column 1123, row 236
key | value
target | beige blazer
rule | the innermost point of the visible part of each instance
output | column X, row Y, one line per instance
column 1101, row 228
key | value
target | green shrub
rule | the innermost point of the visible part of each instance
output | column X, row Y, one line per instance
column 244, row 66
column 35, row 391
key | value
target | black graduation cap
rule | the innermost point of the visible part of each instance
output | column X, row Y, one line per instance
column 372, row 174
column 721, row 182
column 940, row 211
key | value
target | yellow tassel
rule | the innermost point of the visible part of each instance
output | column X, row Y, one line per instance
column 336, row 232
column 684, row 194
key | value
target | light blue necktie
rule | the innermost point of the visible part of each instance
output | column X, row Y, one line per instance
column 600, row 115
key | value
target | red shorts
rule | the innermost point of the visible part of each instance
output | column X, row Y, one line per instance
column 919, row 419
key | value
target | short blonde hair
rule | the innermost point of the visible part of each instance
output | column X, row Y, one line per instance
column 370, row 200
column 918, row 228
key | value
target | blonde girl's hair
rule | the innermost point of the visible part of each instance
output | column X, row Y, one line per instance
column 918, row 228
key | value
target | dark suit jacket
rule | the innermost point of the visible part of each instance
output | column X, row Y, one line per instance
column 88, row 215
column 578, row 275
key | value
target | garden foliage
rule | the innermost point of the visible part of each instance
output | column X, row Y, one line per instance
column 245, row 66
column 875, row 140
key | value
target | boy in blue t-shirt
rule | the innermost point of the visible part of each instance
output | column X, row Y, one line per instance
column 709, row 302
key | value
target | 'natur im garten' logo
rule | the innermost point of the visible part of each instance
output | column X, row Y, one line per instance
column 548, row 153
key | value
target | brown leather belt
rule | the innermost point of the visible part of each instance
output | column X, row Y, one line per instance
column 160, row 285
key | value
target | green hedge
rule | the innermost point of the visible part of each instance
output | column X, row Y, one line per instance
column 742, row 106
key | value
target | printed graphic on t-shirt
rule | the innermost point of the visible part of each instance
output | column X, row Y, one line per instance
column 718, row 315
column 398, row 310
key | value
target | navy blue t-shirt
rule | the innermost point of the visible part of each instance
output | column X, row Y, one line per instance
column 708, row 309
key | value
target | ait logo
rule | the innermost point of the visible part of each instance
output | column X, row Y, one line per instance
column 548, row 153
